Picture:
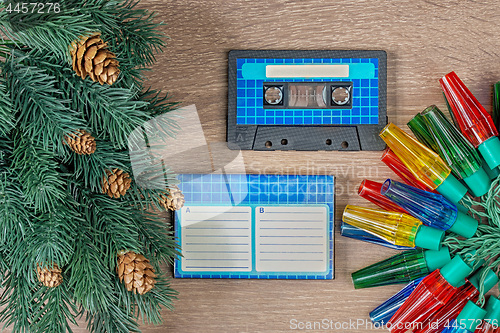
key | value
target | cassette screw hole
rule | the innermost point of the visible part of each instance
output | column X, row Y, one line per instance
column 284, row 142
column 329, row 142
column 269, row 144
column 344, row 144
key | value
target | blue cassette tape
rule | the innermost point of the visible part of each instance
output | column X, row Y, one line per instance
column 306, row 100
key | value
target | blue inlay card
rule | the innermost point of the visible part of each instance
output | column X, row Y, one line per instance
column 256, row 226
column 269, row 93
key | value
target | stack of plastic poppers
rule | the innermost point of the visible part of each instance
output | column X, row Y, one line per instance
column 450, row 161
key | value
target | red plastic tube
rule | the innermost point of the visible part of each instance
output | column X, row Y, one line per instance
column 428, row 298
column 395, row 164
column 474, row 122
column 437, row 322
column 370, row 190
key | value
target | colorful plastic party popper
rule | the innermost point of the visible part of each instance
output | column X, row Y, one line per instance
column 435, row 290
column 394, row 163
column 395, row 228
column 467, row 321
column 425, row 164
column 350, row 231
column 458, row 153
column 474, row 122
column 491, row 320
column 432, row 209
column 401, row 268
column 370, row 190
column 468, row 292
column 382, row 313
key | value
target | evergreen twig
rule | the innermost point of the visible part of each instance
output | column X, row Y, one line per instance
column 52, row 209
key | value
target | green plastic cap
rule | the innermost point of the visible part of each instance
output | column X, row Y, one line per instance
column 493, row 311
column 462, row 208
column 492, row 173
column 456, row 271
column 437, row 259
column 479, row 182
column 490, row 150
column 429, row 238
column 452, row 189
column 464, row 225
column 490, row 280
column 471, row 316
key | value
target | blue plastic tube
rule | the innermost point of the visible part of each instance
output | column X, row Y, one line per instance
column 350, row 231
column 384, row 312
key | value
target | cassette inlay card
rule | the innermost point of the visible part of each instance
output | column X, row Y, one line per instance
column 239, row 226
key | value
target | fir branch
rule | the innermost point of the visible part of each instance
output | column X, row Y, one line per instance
column 51, row 32
column 56, row 310
column 42, row 113
column 114, row 221
column 53, row 238
column 7, row 122
column 141, row 35
column 151, row 178
column 91, row 168
column 148, row 306
column 43, row 186
column 116, row 319
column 131, row 34
column 18, row 303
column 147, row 199
column 50, row 241
column 163, row 125
column 157, row 238
column 158, row 104
column 15, row 219
column 53, row 219
column 112, row 113
column 4, row 267
column 131, row 31
column 49, row 211
column 91, row 279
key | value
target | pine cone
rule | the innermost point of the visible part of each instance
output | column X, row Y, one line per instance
column 116, row 183
column 136, row 271
column 174, row 200
column 49, row 277
column 91, row 57
column 81, row 142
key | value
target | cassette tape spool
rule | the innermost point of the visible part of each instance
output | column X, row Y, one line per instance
column 306, row 100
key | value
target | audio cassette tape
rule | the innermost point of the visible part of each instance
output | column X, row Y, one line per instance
column 306, row 100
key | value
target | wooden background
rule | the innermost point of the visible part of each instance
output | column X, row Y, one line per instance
column 424, row 40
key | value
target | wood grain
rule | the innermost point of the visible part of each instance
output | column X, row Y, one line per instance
column 423, row 39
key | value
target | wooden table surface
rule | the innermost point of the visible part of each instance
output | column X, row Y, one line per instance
column 424, row 40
